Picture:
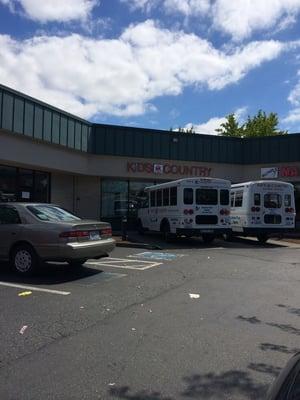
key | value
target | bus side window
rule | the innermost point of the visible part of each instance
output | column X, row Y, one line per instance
column 231, row 199
column 159, row 198
column 153, row 198
column 188, row 196
column 257, row 199
column 166, row 194
column 238, row 199
column 173, row 196
column 287, row 200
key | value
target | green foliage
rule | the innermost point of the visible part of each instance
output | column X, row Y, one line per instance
column 230, row 127
column 260, row 124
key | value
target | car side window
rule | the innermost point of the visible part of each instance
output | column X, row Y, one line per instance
column 9, row 215
column 294, row 393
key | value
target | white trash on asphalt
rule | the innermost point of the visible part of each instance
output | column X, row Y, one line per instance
column 194, row 295
column 23, row 329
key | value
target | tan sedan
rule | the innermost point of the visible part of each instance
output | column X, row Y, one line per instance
column 30, row 232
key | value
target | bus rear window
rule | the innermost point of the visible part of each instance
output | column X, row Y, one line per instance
column 207, row 196
column 257, row 199
column 224, row 197
column 188, row 196
column 272, row 200
column 287, row 200
column 238, row 199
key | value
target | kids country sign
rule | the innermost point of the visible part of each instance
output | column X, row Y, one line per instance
column 168, row 169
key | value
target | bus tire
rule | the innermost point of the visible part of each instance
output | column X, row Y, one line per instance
column 228, row 237
column 262, row 238
column 140, row 227
column 208, row 238
column 166, row 231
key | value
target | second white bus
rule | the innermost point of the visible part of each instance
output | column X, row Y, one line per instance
column 262, row 209
column 189, row 207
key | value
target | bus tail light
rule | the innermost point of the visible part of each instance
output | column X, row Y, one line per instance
column 257, row 209
column 289, row 210
column 224, row 211
column 188, row 211
column 253, row 209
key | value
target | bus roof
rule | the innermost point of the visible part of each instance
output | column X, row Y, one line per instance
column 265, row 181
column 188, row 181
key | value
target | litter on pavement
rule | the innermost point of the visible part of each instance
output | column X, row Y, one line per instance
column 27, row 293
column 133, row 329
column 23, row 329
column 194, row 295
column 157, row 255
column 111, row 384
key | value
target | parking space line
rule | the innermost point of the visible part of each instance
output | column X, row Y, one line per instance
column 137, row 265
column 37, row 289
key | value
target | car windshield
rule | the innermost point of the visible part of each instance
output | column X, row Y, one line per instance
column 52, row 213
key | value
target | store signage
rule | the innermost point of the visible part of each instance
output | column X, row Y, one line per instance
column 279, row 172
column 269, row 173
column 168, row 169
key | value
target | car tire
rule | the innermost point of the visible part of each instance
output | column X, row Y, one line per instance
column 208, row 238
column 24, row 260
column 77, row 263
column 262, row 238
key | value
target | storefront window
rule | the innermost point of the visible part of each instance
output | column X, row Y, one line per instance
column 8, row 183
column 137, row 197
column 114, row 198
column 41, row 187
column 18, row 184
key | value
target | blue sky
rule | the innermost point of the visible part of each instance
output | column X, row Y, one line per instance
column 156, row 63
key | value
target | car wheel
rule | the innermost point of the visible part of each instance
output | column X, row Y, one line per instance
column 77, row 263
column 208, row 238
column 262, row 238
column 24, row 259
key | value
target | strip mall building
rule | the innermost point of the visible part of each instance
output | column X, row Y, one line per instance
column 100, row 171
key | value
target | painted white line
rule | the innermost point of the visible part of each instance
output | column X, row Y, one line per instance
column 139, row 267
column 37, row 289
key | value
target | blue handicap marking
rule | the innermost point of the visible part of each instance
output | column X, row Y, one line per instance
column 156, row 255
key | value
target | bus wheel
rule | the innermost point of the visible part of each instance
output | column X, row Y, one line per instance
column 166, row 231
column 262, row 238
column 228, row 237
column 140, row 227
column 208, row 238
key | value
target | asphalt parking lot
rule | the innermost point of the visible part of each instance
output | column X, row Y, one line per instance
column 188, row 321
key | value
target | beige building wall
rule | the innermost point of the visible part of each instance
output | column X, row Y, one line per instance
column 62, row 190
column 87, row 196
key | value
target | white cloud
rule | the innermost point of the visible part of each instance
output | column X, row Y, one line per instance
column 54, row 10
column 209, row 127
column 122, row 76
column 240, row 18
column 237, row 18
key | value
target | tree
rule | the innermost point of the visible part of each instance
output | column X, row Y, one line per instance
column 230, row 127
column 260, row 124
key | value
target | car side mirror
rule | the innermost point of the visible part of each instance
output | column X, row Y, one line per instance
column 287, row 385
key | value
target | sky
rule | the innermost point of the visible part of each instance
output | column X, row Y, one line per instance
column 157, row 64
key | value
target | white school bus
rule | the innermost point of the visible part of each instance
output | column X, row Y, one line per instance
column 262, row 209
column 189, row 207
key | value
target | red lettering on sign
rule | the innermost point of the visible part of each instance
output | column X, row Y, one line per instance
column 131, row 167
column 185, row 170
column 289, row 171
